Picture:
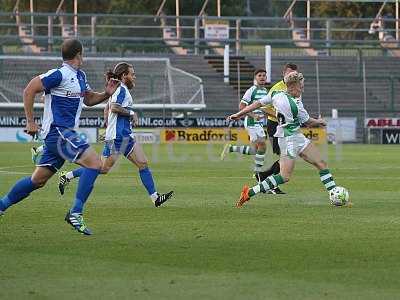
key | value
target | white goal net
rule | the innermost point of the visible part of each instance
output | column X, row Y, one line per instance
column 158, row 84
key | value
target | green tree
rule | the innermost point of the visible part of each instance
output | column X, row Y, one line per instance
column 345, row 9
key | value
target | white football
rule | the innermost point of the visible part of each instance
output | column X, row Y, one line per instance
column 339, row 196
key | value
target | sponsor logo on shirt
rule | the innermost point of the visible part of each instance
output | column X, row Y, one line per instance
column 71, row 94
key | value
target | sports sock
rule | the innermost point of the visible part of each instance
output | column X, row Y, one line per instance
column 85, row 187
column 154, row 196
column 268, row 184
column 19, row 191
column 74, row 173
column 259, row 161
column 327, row 179
column 147, row 180
column 244, row 149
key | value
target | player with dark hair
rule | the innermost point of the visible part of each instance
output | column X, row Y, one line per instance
column 253, row 123
column 119, row 136
column 66, row 90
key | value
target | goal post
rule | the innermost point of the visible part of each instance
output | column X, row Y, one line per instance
column 158, row 84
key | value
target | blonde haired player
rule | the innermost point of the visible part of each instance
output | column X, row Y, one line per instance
column 291, row 115
column 272, row 124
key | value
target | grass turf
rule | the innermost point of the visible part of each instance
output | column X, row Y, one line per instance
column 198, row 246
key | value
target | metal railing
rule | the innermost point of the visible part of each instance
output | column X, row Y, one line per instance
column 111, row 32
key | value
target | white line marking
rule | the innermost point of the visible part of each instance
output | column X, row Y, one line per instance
column 12, row 173
column 12, row 167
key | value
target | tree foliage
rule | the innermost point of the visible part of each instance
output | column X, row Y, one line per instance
column 346, row 9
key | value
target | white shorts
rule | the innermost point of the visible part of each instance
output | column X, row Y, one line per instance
column 292, row 146
column 256, row 132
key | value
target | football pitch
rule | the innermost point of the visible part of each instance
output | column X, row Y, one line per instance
column 199, row 246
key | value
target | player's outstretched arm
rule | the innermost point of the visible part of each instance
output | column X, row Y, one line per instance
column 311, row 122
column 34, row 86
column 245, row 111
column 93, row 98
column 118, row 109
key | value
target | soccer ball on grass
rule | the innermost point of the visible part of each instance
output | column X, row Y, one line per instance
column 339, row 196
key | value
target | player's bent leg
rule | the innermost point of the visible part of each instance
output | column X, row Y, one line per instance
column 65, row 177
column 241, row 149
column 91, row 162
column 260, row 155
column 23, row 187
column 275, row 168
column 41, row 175
column 312, row 155
column 269, row 183
column 138, row 157
column 287, row 166
column 90, row 159
column 108, row 163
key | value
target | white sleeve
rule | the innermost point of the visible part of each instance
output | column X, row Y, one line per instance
column 246, row 99
column 266, row 100
column 303, row 114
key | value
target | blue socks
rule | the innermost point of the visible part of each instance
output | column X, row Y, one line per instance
column 147, row 180
column 78, row 172
column 25, row 186
column 19, row 191
column 85, row 187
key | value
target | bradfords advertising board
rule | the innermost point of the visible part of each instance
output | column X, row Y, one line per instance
column 204, row 135
column 382, row 122
column 224, row 135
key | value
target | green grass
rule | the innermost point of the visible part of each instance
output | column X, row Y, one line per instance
column 198, row 246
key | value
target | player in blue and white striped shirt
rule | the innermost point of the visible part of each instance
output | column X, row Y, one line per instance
column 119, row 136
column 66, row 90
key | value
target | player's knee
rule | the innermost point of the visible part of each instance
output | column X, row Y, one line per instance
column 39, row 182
column 321, row 165
column 95, row 163
column 261, row 147
column 105, row 170
column 142, row 164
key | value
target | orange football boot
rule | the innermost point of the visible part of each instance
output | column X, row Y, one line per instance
column 244, row 197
